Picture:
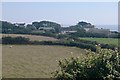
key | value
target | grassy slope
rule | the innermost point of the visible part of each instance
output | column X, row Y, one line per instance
column 103, row 40
column 0, row 61
column 22, row 61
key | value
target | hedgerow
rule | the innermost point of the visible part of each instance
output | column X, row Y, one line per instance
column 76, row 43
column 15, row 40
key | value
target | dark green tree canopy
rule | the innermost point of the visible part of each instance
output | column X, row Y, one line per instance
column 54, row 25
column 85, row 24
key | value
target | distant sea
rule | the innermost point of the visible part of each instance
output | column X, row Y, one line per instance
column 111, row 27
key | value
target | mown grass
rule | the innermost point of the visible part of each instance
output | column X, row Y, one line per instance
column 111, row 41
column 34, row 61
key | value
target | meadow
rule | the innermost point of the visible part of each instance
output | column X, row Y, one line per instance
column 0, row 61
column 111, row 41
column 34, row 61
column 39, row 61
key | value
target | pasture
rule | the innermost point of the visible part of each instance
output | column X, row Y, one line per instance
column 111, row 41
column 31, row 37
column 0, row 61
column 34, row 61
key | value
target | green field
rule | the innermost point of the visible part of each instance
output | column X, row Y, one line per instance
column 34, row 61
column 111, row 41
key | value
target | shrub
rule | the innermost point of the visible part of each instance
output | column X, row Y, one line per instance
column 104, row 66
column 108, row 46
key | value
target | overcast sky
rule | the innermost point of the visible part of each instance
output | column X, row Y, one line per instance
column 97, row 13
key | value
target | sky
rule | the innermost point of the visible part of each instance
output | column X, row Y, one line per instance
column 97, row 13
column 59, row 0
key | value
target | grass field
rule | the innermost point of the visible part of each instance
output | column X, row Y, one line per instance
column 111, row 41
column 31, row 37
column 0, row 61
column 34, row 61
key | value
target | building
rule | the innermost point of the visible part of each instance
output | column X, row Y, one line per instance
column 67, row 30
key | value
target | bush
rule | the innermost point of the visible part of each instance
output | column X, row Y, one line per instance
column 105, row 66
column 108, row 46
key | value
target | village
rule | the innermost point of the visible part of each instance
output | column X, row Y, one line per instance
column 65, row 30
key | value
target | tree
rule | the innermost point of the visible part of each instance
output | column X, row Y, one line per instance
column 29, row 26
column 36, row 24
column 54, row 25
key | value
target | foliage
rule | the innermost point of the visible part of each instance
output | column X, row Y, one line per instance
column 94, row 42
column 70, row 41
column 10, row 28
column 22, row 40
column 53, row 29
column 84, row 44
column 15, row 40
column 62, row 36
column 80, row 33
column 85, row 24
column 0, row 26
column 56, row 26
column 104, row 66
column 31, row 27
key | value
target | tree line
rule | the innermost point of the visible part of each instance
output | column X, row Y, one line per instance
column 84, row 44
column 9, row 28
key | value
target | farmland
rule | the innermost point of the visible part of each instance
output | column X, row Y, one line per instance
column 111, row 41
column 39, row 61
column 34, row 61
column 0, row 61
column 31, row 37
